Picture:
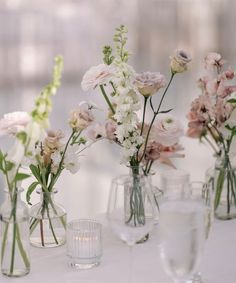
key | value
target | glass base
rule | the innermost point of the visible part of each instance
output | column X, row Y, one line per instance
column 15, row 273
column 143, row 240
column 83, row 263
column 49, row 242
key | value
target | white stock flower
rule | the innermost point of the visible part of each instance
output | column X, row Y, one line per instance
column 56, row 159
column 97, row 75
column 168, row 129
column 14, row 122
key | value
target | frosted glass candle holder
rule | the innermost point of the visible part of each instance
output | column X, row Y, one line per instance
column 84, row 243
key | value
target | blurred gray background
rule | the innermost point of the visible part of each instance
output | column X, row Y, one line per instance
column 32, row 33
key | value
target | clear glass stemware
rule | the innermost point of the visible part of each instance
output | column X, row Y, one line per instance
column 182, row 233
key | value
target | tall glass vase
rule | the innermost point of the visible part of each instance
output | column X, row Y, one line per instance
column 14, row 236
column 224, row 185
column 47, row 222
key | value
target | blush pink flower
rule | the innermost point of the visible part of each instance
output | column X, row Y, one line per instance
column 97, row 75
column 80, row 119
column 213, row 60
column 96, row 131
column 111, row 127
column 223, row 110
column 168, row 129
column 179, row 62
column 13, row 123
column 149, row 83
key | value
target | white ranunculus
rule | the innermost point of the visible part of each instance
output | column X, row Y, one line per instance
column 167, row 130
column 14, row 122
column 97, row 75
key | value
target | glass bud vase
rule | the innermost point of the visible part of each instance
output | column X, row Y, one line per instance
column 139, row 201
column 224, row 186
column 47, row 222
column 14, row 236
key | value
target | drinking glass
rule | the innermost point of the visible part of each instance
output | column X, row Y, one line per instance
column 202, row 192
column 131, row 209
column 176, row 182
column 182, row 234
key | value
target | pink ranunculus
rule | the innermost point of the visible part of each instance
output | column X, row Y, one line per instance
column 227, row 75
column 179, row 62
column 111, row 127
column 149, row 83
column 168, row 129
column 80, row 119
column 14, row 122
column 96, row 131
column 213, row 60
column 97, row 75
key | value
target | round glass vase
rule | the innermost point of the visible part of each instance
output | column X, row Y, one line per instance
column 47, row 222
column 14, row 218
column 224, row 186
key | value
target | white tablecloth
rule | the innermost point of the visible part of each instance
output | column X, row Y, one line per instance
column 218, row 265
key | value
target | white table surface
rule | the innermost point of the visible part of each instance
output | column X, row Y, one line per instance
column 218, row 265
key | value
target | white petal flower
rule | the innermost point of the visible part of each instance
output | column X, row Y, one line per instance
column 71, row 161
column 14, row 122
column 97, row 75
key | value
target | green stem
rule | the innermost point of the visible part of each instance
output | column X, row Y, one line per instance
column 21, row 247
column 13, row 244
column 107, row 99
column 154, row 116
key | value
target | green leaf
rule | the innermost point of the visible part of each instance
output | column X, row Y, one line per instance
column 232, row 100
column 9, row 165
column 30, row 190
column 36, row 172
column 219, row 187
column 21, row 176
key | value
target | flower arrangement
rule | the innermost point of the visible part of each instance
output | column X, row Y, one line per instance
column 26, row 129
column 51, row 157
column 212, row 119
column 142, row 142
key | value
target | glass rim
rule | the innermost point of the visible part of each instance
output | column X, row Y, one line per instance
column 174, row 173
column 70, row 225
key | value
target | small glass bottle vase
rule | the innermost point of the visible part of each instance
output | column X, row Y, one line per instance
column 14, row 236
column 224, row 185
column 47, row 222
column 139, row 202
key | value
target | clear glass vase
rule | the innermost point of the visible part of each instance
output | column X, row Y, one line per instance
column 14, row 236
column 137, row 204
column 47, row 222
column 224, row 186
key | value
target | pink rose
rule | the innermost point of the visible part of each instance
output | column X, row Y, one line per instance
column 14, row 122
column 97, row 75
column 149, row 83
